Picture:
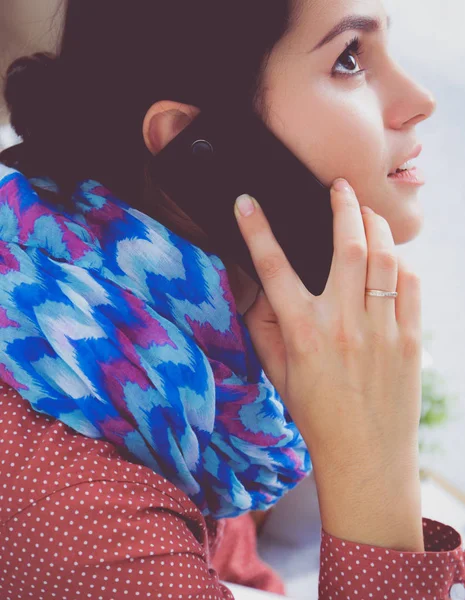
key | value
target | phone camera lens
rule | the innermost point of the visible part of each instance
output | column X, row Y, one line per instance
column 202, row 149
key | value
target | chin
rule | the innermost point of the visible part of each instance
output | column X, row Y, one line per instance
column 408, row 230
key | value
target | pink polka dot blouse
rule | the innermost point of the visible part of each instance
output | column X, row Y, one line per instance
column 78, row 521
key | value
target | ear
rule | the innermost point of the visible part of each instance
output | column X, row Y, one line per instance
column 164, row 120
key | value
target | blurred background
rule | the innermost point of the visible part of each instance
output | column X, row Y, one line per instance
column 428, row 40
column 25, row 27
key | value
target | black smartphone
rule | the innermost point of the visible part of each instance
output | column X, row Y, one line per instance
column 216, row 158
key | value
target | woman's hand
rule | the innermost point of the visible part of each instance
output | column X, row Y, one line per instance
column 348, row 367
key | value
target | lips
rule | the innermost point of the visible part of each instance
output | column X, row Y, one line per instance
column 413, row 154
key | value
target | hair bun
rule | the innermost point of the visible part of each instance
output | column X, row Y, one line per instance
column 32, row 85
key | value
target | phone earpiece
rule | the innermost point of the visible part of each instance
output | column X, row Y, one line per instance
column 202, row 149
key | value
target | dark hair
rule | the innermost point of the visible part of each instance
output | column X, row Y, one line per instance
column 80, row 113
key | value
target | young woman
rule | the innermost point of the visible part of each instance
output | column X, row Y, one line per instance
column 152, row 399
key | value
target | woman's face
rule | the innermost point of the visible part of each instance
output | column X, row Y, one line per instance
column 345, row 115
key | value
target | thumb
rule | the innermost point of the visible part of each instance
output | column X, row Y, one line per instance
column 260, row 311
column 265, row 333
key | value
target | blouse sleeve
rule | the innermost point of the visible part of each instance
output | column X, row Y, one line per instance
column 348, row 569
column 107, row 540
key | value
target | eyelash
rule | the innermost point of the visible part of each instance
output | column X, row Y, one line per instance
column 355, row 46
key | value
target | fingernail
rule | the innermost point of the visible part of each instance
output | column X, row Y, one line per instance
column 245, row 205
column 341, row 185
column 366, row 210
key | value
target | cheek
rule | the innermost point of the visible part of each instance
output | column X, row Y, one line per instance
column 334, row 137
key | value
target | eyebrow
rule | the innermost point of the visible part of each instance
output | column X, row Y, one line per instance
column 359, row 23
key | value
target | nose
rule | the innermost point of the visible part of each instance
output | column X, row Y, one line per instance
column 427, row 103
column 411, row 102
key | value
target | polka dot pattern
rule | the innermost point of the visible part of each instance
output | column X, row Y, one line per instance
column 78, row 521
column 352, row 570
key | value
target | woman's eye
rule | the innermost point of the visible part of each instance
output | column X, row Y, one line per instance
column 348, row 60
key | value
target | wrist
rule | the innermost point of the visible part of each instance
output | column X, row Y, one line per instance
column 373, row 504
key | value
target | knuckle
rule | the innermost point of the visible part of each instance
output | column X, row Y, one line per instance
column 403, row 265
column 344, row 200
column 348, row 339
column 384, row 260
column 412, row 279
column 411, row 344
column 355, row 252
column 270, row 266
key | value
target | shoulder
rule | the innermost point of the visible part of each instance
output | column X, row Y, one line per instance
column 88, row 519
column 45, row 457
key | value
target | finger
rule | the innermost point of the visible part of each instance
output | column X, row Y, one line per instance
column 349, row 267
column 382, row 272
column 264, row 330
column 282, row 286
column 408, row 303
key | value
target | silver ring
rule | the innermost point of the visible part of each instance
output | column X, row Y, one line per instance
column 380, row 293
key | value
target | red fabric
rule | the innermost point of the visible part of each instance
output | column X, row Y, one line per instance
column 78, row 521
column 362, row 571
column 237, row 557
column 75, row 516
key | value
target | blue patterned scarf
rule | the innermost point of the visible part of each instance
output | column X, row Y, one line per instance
column 126, row 332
